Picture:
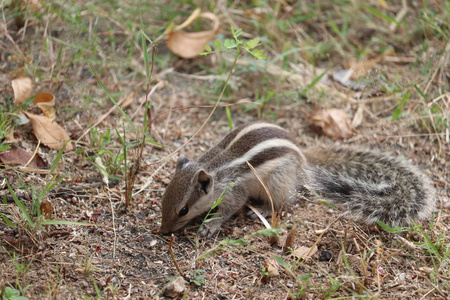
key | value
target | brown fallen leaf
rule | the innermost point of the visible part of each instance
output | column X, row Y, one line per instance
column 190, row 44
column 46, row 209
column 334, row 122
column 46, row 102
column 49, row 133
column 290, row 239
column 305, row 252
column 20, row 157
column 271, row 270
column 22, row 87
column 9, row 138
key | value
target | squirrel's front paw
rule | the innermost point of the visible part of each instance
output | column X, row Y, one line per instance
column 209, row 229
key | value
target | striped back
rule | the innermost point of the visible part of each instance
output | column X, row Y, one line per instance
column 256, row 142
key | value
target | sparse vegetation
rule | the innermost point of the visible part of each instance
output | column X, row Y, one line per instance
column 127, row 103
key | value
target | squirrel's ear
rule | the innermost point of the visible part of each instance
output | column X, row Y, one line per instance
column 204, row 179
column 181, row 163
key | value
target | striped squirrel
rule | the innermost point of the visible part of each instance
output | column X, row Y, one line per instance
column 370, row 185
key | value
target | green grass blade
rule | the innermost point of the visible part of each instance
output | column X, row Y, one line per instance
column 21, row 206
column 7, row 221
column 379, row 14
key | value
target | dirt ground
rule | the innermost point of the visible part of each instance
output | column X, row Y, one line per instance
column 120, row 254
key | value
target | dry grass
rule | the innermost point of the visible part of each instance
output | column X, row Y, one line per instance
column 404, row 108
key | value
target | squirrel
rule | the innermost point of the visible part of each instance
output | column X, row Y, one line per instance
column 370, row 185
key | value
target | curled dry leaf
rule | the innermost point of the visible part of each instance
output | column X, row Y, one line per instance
column 290, row 239
column 46, row 209
column 20, row 157
column 334, row 122
column 21, row 119
column 190, row 44
column 271, row 270
column 22, row 87
column 46, row 102
column 305, row 252
column 49, row 133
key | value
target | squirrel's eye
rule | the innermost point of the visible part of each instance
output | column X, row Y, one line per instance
column 183, row 211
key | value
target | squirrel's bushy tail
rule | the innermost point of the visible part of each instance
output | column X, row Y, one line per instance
column 371, row 185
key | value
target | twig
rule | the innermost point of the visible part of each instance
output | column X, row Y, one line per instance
column 266, row 190
column 173, row 256
column 149, row 94
column 34, row 154
column 401, row 14
column 113, row 216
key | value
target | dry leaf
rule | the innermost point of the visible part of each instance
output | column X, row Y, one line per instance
column 290, row 239
column 21, row 119
column 9, row 138
column 271, row 270
column 22, row 87
column 20, row 157
column 49, row 133
column 334, row 122
column 358, row 117
column 46, row 209
column 190, row 44
column 305, row 252
column 46, row 102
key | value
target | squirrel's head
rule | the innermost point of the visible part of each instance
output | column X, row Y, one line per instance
column 186, row 197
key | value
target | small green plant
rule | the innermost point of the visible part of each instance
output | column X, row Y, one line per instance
column 12, row 294
column 210, row 215
column 53, row 284
column 21, row 267
column 29, row 219
column 401, row 104
column 261, row 100
column 236, row 44
column 197, row 277
column 335, row 285
column 264, row 271
column 240, row 47
column 302, row 281
column 5, row 127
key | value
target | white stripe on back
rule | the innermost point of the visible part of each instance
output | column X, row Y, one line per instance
column 251, row 128
column 272, row 143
